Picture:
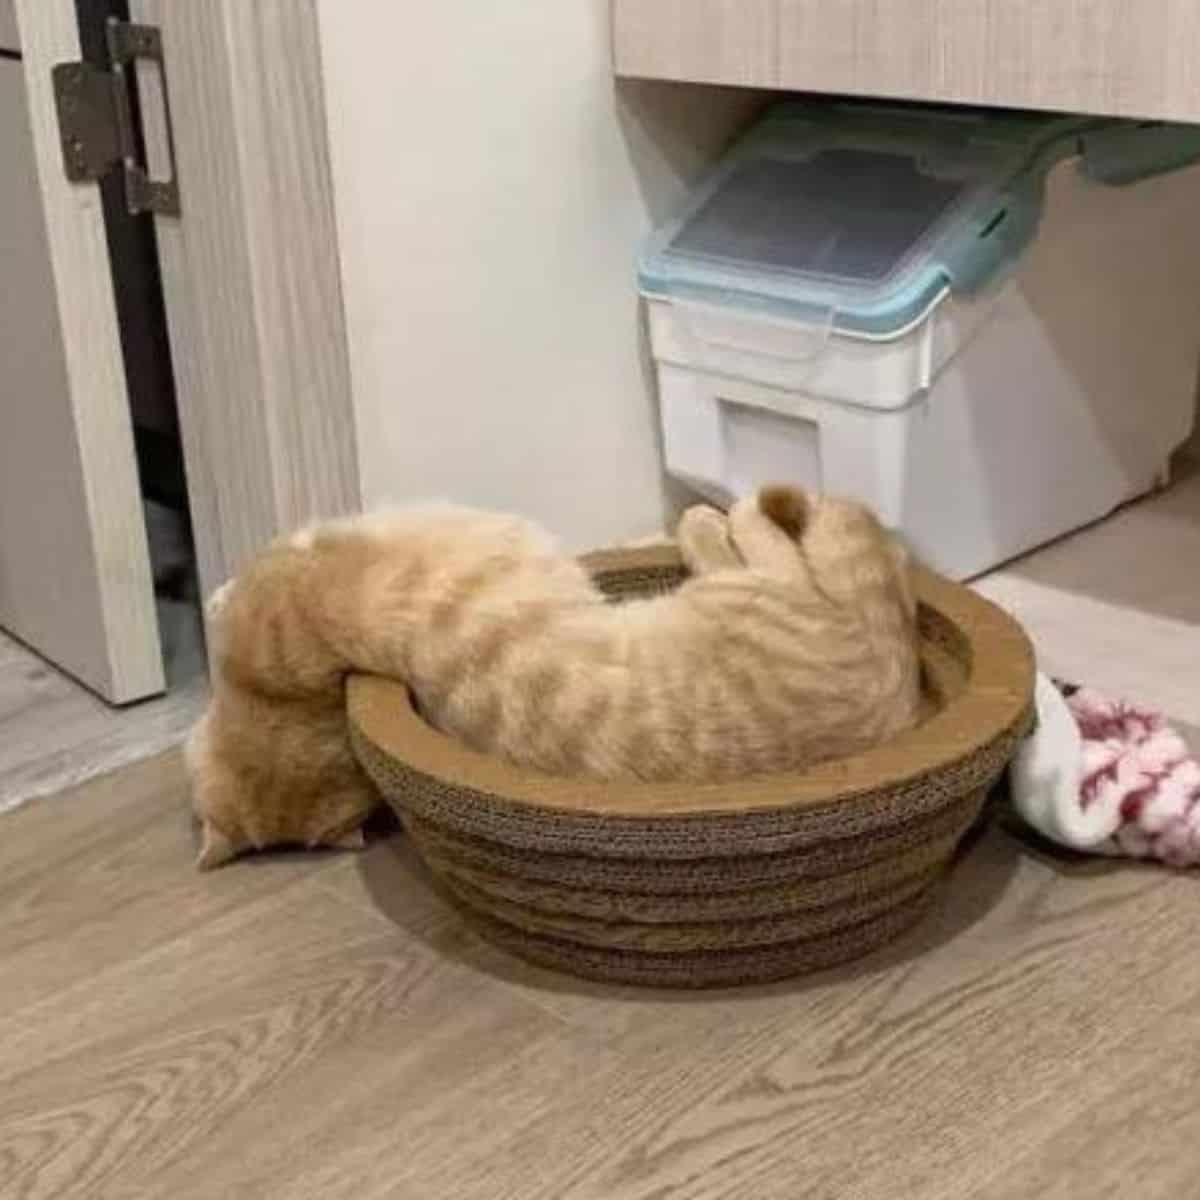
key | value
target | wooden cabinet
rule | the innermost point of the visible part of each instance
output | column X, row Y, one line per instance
column 1101, row 56
column 709, row 41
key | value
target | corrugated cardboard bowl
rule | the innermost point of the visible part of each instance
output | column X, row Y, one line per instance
column 688, row 885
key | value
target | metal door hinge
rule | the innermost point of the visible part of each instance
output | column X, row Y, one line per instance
column 96, row 122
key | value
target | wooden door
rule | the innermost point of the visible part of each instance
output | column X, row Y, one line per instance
column 75, row 577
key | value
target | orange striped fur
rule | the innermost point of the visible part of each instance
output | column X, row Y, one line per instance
column 793, row 642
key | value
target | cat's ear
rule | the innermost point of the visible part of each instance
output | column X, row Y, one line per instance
column 216, row 849
column 786, row 507
column 354, row 840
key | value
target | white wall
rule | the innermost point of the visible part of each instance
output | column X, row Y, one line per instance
column 491, row 186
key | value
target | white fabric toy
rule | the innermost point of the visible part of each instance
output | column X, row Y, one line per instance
column 1107, row 777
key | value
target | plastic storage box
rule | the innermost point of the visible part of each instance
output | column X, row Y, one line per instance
column 986, row 325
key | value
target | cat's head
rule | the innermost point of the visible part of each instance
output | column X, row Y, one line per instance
column 268, row 766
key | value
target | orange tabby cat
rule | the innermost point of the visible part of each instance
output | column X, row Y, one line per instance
column 794, row 641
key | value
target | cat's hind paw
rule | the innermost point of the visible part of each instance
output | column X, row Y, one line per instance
column 704, row 541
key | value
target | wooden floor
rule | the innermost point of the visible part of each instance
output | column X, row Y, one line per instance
column 54, row 733
column 325, row 1027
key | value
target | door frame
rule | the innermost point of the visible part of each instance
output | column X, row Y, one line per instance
column 251, row 274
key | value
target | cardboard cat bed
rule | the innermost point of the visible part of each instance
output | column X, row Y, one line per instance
column 709, row 885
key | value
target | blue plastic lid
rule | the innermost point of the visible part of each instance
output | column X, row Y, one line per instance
column 865, row 216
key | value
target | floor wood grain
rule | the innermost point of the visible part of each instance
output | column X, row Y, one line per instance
column 54, row 733
column 325, row 1026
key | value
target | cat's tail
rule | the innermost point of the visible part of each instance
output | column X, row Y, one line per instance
column 854, row 561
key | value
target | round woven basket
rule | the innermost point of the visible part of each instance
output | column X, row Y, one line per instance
column 718, row 884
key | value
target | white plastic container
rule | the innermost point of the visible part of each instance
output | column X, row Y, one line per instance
column 1042, row 382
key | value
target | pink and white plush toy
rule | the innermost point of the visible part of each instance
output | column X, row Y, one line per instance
column 1107, row 777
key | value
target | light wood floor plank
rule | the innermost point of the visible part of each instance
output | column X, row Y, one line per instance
column 1133, row 1128
column 228, row 1050
column 104, row 876
column 54, row 734
column 325, row 1027
column 906, row 1087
